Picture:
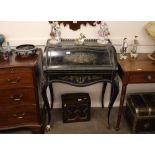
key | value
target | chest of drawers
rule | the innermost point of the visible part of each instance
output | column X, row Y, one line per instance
column 21, row 103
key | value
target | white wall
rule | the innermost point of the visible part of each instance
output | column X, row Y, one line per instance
column 38, row 32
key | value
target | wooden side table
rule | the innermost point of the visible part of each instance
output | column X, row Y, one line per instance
column 134, row 71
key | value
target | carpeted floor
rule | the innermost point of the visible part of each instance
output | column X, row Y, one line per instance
column 97, row 124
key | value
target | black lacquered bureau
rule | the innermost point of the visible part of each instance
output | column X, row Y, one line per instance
column 81, row 65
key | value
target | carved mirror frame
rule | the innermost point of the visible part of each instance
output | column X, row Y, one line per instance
column 75, row 25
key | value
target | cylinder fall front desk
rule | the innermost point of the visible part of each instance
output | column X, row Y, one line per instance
column 81, row 65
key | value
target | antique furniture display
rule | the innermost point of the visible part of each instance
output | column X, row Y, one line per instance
column 21, row 104
column 134, row 71
column 81, row 65
column 140, row 111
column 76, row 107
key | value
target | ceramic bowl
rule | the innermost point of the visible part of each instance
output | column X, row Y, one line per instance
column 25, row 50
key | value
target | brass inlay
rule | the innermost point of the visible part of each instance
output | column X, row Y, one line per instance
column 80, row 57
column 150, row 110
column 82, row 79
column 137, row 111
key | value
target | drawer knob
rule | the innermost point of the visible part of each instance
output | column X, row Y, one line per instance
column 11, row 70
column 14, row 98
column 149, row 77
column 21, row 116
column 14, row 81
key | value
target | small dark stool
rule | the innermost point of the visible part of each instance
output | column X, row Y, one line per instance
column 140, row 112
column 76, row 107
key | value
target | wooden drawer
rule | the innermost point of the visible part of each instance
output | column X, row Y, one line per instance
column 17, row 96
column 146, row 77
column 16, row 77
column 16, row 109
column 15, row 70
column 18, row 115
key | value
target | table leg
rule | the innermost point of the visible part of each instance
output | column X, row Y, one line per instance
column 103, row 92
column 114, row 93
column 51, row 92
column 120, row 110
column 45, row 99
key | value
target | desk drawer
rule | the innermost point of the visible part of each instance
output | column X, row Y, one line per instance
column 17, row 96
column 13, row 78
column 146, row 77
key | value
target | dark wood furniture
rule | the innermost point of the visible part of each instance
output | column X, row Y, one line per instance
column 132, row 71
column 81, row 65
column 21, row 104
column 140, row 111
column 75, row 107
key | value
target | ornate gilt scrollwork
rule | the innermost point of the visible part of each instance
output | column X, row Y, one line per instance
column 80, row 58
column 82, row 79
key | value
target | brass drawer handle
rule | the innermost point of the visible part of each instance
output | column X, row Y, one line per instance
column 11, row 70
column 14, row 81
column 16, row 99
column 149, row 77
column 19, row 116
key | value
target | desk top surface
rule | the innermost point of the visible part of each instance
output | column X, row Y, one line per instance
column 17, row 61
column 140, row 64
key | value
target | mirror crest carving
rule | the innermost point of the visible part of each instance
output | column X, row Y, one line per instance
column 75, row 25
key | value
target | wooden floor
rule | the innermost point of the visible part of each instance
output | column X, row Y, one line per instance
column 97, row 124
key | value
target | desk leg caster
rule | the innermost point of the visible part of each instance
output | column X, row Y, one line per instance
column 48, row 128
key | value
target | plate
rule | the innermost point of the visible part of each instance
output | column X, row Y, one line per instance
column 150, row 29
column 152, row 57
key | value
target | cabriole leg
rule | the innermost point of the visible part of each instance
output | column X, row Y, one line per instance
column 114, row 94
